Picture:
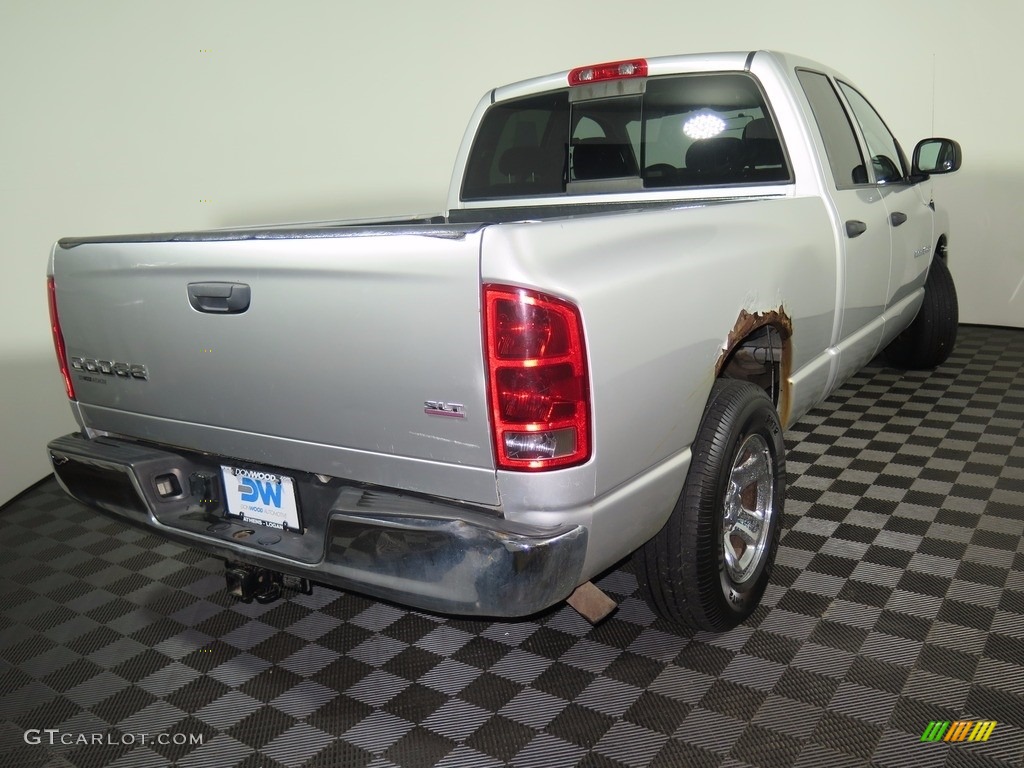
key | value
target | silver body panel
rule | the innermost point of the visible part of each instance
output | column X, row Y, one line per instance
column 351, row 329
column 327, row 371
column 653, row 358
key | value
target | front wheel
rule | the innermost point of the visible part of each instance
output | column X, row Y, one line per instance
column 710, row 564
column 927, row 342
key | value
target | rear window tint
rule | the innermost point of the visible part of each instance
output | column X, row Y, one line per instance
column 680, row 131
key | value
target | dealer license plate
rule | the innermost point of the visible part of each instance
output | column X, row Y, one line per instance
column 261, row 498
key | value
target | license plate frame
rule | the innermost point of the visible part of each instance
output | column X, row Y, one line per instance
column 260, row 497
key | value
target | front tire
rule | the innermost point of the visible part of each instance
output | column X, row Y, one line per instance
column 928, row 341
column 709, row 566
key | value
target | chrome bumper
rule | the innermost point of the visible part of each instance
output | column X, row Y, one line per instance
column 434, row 555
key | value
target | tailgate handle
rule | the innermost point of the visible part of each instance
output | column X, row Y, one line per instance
column 219, row 298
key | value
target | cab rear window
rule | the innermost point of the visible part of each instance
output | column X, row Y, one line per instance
column 679, row 131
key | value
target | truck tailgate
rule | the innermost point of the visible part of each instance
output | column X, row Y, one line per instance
column 346, row 338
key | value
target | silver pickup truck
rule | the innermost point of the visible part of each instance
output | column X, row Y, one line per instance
column 648, row 269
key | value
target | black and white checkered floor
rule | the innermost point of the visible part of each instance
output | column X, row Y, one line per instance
column 898, row 601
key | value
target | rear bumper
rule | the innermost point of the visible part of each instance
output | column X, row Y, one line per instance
column 434, row 555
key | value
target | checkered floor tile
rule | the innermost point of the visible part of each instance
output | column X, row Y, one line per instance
column 897, row 606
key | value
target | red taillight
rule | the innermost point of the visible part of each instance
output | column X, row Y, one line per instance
column 58, row 338
column 612, row 70
column 537, row 379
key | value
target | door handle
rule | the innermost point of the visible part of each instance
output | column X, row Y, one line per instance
column 897, row 218
column 855, row 228
column 219, row 298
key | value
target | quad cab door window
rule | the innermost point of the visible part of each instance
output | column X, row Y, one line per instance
column 888, row 163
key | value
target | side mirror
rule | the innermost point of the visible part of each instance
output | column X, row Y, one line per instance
column 936, row 156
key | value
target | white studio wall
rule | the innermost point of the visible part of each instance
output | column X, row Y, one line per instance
column 124, row 116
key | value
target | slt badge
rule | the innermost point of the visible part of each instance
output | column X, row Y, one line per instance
column 441, row 408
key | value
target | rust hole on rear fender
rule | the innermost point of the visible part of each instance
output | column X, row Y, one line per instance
column 747, row 325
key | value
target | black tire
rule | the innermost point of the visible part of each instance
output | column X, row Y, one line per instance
column 928, row 341
column 684, row 571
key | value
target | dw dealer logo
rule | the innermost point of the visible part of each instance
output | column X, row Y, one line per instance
column 958, row 730
column 257, row 486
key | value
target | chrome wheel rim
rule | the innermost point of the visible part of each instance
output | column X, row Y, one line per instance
column 749, row 508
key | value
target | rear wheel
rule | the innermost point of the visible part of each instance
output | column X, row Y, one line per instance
column 710, row 564
column 927, row 341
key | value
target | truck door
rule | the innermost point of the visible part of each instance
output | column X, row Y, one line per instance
column 864, row 231
column 907, row 205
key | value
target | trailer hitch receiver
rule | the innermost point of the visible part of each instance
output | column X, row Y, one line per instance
column 250, row 582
